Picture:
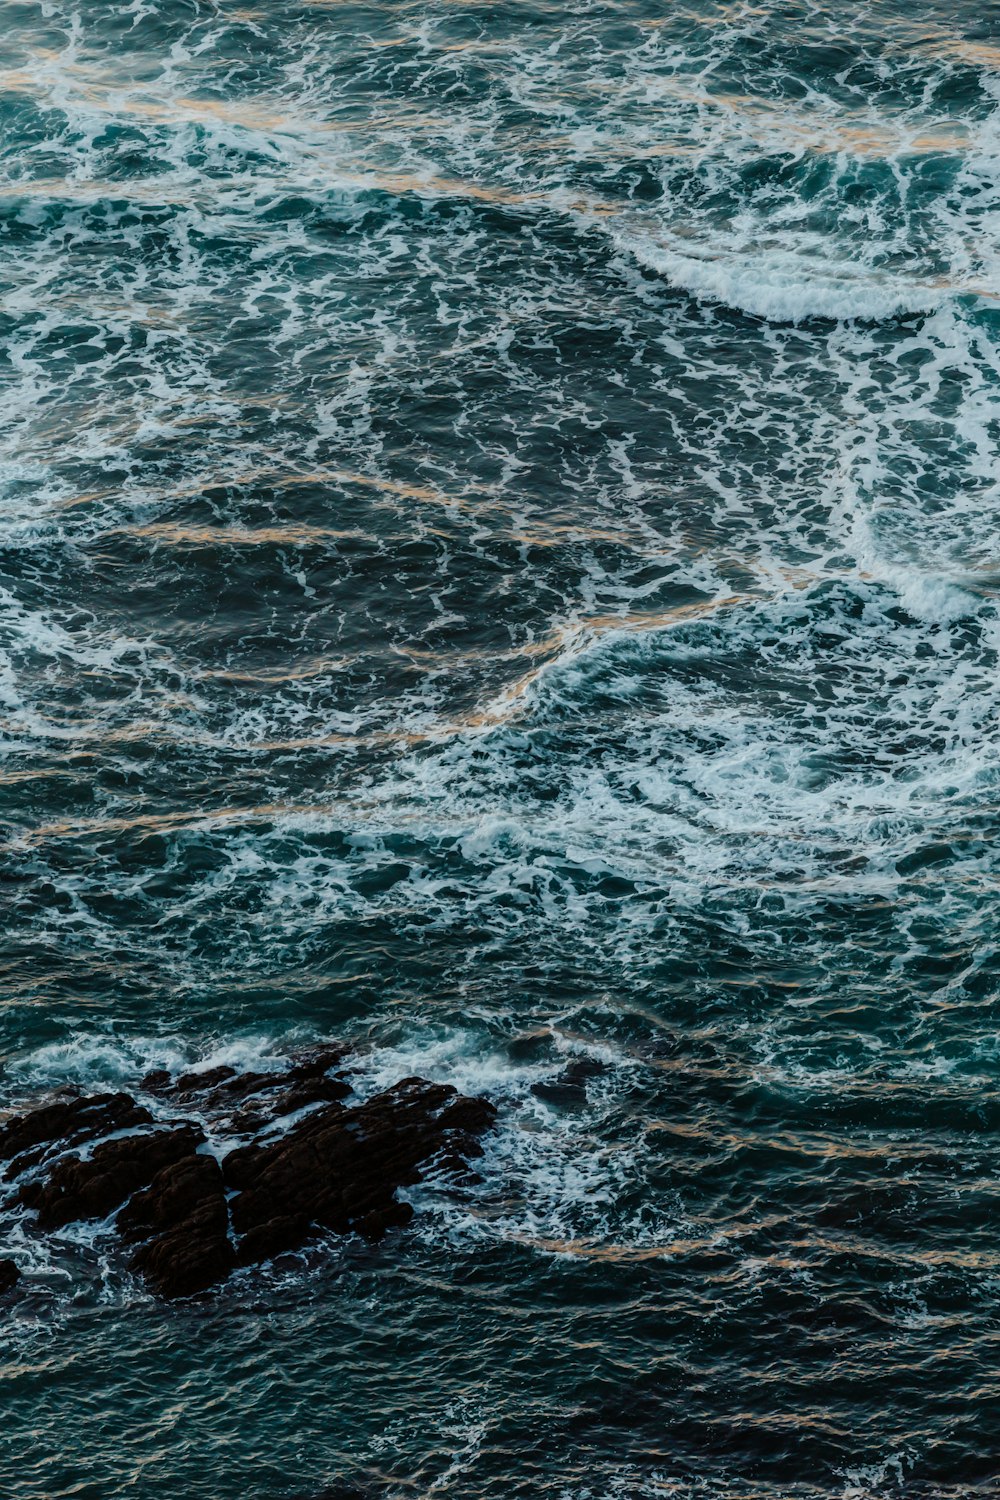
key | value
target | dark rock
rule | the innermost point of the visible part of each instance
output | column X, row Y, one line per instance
column 90, row 1188
column 242, row 1086
column 9, row 1276
column 318, row 1060
column 273, row 1237
column 221, row 1092
column 337, row 1167
column 582, row 1068
column 27, row 1138
column 569, row 1088
column 374, row 1224
column 292, row 1087
column 340, row 1168
column 248, row 1122
column 530, row 1045
column 308, row 1091
column 184, row 1262
column 181, row 1191
column 452, row 1163
column 190, row 1085
column 555, row 1092
column 156, row 1082
column 470, row 1116
column 184, row 1212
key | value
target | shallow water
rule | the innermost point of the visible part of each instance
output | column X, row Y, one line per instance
column 498, row 561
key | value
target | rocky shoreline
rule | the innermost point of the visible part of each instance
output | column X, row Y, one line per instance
column 224, row 1169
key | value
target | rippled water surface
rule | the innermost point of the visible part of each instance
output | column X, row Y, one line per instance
column 499, row 514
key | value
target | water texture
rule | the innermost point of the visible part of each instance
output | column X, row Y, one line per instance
column 498, row 562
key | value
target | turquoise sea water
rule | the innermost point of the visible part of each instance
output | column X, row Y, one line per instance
column 498, row 562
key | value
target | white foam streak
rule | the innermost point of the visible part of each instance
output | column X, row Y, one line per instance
column 782, row 285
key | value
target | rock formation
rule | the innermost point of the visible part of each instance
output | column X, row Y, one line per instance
column 300, row 1155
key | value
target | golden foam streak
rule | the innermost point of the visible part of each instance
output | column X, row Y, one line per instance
column 281, row 479
column 293, row 535
column 563, row 643
column 168, row 822
column 820, row 134
column 470, row 501
column 723, row 1237
column 307, row 131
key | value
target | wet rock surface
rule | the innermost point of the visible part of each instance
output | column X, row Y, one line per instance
column 27, row 1139
column 234, row 1169
column 569, row 1089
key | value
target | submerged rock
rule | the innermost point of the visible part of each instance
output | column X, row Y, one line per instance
column 9, row 1276
column 317, row 1160
column 342, row 1490
column 570, row 1087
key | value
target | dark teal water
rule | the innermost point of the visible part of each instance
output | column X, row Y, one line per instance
column 498, row 561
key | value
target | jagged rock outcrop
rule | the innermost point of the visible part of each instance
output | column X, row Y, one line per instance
column 182, row 1224
column 26, row 1139
column 306, row 1157
column 340, row 1168
column 91, row 1187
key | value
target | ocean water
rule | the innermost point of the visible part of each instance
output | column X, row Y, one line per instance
column 499, row 513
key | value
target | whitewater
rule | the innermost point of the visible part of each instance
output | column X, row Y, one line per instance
column 499, row 566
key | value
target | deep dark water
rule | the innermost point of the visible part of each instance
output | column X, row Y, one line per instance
column 498, row 514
